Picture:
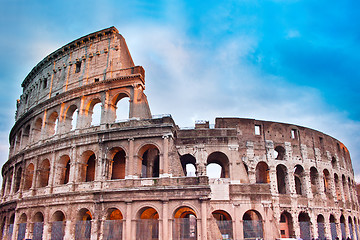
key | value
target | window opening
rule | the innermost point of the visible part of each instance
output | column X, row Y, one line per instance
column 257, row 130
column 78, row 67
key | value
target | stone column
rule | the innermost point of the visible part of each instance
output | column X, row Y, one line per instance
column 164, row 161
column 128, row 222
column 273, row 180
column 307, row 184
column 296, row 225
column 238, row 230
column 165, row 219
column 203, row 219
column 130, row 160
column 94, row 229
column 34, row 184
column 52, row 172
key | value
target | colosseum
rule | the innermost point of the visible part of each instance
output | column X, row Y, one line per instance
column 78, row 171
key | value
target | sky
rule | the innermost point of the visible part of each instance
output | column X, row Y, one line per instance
column 279, row 60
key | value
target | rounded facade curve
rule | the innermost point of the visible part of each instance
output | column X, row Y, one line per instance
column 78, row 171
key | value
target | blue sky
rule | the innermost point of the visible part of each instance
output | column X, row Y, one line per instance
column 288, row 61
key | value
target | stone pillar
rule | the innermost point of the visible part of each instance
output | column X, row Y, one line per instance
column 237, row 170
column 129, row 173
column 12, row 185
column 70, row 229
column 165, row 220
column 327, row 228
column 273, row 180
column 164, row 162
column 94, row 229
column 237, row 224
column 16, row 227
column 203, row 219
column 128, row 222
column 296, row 225
column 34, row 184
column 52, row 173
column 291, row 179
column 307, row 184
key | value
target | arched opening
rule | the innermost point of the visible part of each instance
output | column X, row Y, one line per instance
column 356, row 228
column 188, row 163
column 29, row 174
column 321, row 227
column 262, row 173
column 83, row 225
column 147, row 224
column 36, row 132
column 286, row 225
column 252, row 225
column 350, row 189
column 88, row 171
column 149, row 160
column 9, row 181
column 345, row 189
column 63, row 170
column 51, row 124
column 279, row 153
column 337, row 187
column 11, row 226
column 93, row 112
column 26, row 136
column 113, row 225
column 38, row 226
column 351, row 231
column 118, row 164
column 333, row 227
column 18, row 179
column 299, row 179
column 221, row 160
column 327, row 186
column 22, row 226
column 58, row 226
column 224, row 223
column 121, row 106
column 18, row 142
column 185, row 226
column 70, row 118
column 281, row 175
column 342, row 226
column 304, row 223
column 314, row 179
column 44, row 172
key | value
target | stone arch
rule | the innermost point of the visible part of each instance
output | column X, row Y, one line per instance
column 26, row 135
column 70, row 115
column 36, row 130
column 149, row 160
column 350, row 189
column 38, row 226
column 220, row 159
column 52, row 124
column 113, row 225
column 118, row 106
column 343, row 226
column 279, row 153
column 147, row 223
column 333, row 162
column 337, row 187
column 321, row 226
column 304, row 223
column 224, row 223
column 188, row 162
column 29, row 174
column 286, row 225
column 9, row 181
column 314, row 180
column 345, row 189
column 22, row 226
column 185, row 223
column 63, row 170
column 87, row 173
column 350, row 225
column 83, row 224
column 252, row 225
column 18, row 141
column 58, row 222
column 44, row 173
column 327, row 183
column 262, row 173
column 282, row 178
column 17, row 179
column 333, row 230
column 93, row 117
column 118, row 164
column 299, row 178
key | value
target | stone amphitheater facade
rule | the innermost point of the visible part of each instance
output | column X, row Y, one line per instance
column 68, row 177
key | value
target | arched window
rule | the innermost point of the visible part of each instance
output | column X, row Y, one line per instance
column 281, row 175
column 351, row 231
column 252, row 225
column 58, row 225
column 37, row 130
column 118, row 165
column 286, row 225
column 121, row 103
column 26, row 136
column 337, row 187
column 345, row 189
column 22, row 226
column 333, row 162
column 314, row 179
column 149, row 161
column 299, row 179
column 18, row 179
column 9, row 181
column 51, row 124
column 93, row 112
column 90, row 169
column 333, row 227
column 113, row 224
column 220, row 159
column 29, row 174
column 342, row 226
column 262, row 173
column 70, row 118
column 184, row 225
column 279, row 153
column 188, row 163
column 44, row 172
column 224, row 223
column 38, row 226
column 321, row 226
column 327, row 186
column 63, row 173
column 147, row 224
column 18, row 142
column 83, row 224
column 304, row 223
